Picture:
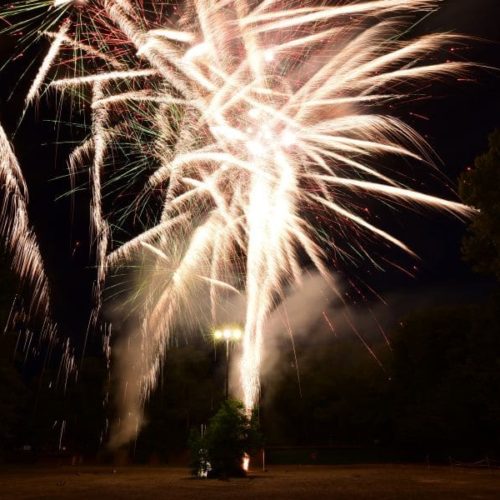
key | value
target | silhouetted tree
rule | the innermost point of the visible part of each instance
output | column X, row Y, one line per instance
column 186, row 396
column 480, row 187
column 446, row 381
column 229, row 435
column 14, row 397
column 342, row 398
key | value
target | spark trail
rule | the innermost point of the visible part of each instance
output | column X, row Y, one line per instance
column 20, row 241
column 248, row 117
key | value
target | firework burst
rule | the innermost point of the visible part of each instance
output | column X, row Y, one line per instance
column 235, row 120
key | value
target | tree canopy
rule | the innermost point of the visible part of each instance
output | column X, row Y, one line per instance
column 480, row 187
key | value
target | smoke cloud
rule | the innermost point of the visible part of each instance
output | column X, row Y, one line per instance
column 307, row 313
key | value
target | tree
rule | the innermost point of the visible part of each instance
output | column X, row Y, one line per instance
column 480, row 187
column 14, row 396
column 446, row 379
column 341, row 399
column 186, row 396
column 230, row 435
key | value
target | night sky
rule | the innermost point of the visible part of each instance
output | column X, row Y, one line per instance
column 456, row 122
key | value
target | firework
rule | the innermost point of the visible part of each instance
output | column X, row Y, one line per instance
column 234, row 121
column 21, row 243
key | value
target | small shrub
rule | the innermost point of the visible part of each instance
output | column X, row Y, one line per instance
column 229, row 436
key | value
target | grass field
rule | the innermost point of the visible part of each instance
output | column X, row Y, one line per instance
column 381, row 482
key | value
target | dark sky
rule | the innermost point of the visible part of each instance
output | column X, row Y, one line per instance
column 458, row 120
column 460, row 117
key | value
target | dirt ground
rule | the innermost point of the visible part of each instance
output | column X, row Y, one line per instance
column 380, row 482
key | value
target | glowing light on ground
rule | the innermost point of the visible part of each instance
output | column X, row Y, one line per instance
column 246, row 462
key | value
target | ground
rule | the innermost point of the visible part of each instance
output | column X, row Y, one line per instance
column 380, row 482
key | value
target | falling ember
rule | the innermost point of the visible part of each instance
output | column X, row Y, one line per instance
column 251, row 117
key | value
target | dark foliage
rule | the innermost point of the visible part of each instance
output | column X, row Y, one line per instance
column 446, row 378
column 229, row 436
column 186, row 397
column 480, row 187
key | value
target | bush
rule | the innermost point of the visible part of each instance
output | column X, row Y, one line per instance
column 229, row 436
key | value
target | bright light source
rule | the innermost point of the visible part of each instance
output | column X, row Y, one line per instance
column 256, row 148
column 254, row 113
column 266, row 132
column 268, row 55
column 246, row 462
column 228, row 333
column 288, row 138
